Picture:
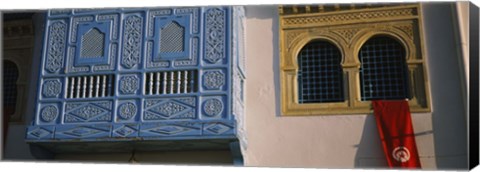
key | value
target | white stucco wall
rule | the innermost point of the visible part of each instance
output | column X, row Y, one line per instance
column 350, row 141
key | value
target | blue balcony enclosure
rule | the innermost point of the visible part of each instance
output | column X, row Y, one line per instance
column 116, row 80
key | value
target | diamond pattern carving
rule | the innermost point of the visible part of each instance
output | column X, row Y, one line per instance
column 125, row 131
column 83, row 131
column 88, row 112
column 218, row 128
column 161, row 109
column 39, row 132
column 169, row 109
column 170, row 130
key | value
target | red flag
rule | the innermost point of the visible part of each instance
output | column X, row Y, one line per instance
column 394, row 125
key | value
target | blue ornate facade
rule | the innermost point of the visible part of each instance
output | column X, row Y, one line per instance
column 140, row 75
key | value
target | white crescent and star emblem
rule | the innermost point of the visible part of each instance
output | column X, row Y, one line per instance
column 401, row 154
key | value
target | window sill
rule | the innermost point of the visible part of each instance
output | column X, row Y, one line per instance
column 334, row 109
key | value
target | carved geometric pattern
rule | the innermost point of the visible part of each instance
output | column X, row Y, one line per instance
column 172, row 38
column 88, row 112
column 71, row 106
column 75, row 22
column 127, row 110
column 177, row 55
column 104, row 104
column 150, row 62
column 132, row 41
column 56, row 46
column 49, row 113
column 123, row 35
column 347, row 34
column 193, row 55
column 111, row 64
column 59, row 12
column 71, row 67
column 83, row 131
column 213, row 79
column 218, row 128
column 129, row 84
column 407, row 28
column 194, row 12
column 354, row 16
column 214, row 35
column 52, row 88
column 151, row 17
column 125, row 131
column 162, row 109
column 170, row 130
column 170, row 108
column 39, row 133
column 92, row 44
column 79, row 11
column 212, row 107
column 189, row 100
column 108, row 25
column 291, row 35
column 113, row 18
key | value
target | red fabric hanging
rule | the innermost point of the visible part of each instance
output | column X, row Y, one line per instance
column 395, row 127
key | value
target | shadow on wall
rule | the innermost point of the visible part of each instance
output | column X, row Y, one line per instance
column 276, row 64
column 369, row 149
column 448, row 117
column 266, row 12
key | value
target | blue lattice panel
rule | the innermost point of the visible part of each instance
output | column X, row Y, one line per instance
column 139, row 74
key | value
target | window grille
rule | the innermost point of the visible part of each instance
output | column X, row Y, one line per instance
column 171, row 82
column 320, row 73
column 383, row 72
column 10, row 76
column 172, row 38
column 92, row 44
column 91, row 86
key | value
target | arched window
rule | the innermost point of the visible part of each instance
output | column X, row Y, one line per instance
column 10, row 76
column 320, row 73
column 383, row 72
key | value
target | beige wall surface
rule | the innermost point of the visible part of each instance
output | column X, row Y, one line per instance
column 349, row 141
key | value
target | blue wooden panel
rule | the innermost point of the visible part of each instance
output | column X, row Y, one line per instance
column 88, row 111
column 96, row 29
column 216, row 35
column 133, row 83
column 54, row 56
column 125, row 130
column 82, row 131
column 133, row 26
column 40, row 133
column 162, row 109
column 172, row 37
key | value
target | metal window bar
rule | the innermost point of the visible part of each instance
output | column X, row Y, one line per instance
column 383, row 70
column 320, row 77
column 90, row 86
column 171, row 82
column 10, row 77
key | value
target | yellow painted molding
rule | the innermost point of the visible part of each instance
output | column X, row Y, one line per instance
column 348, row 30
